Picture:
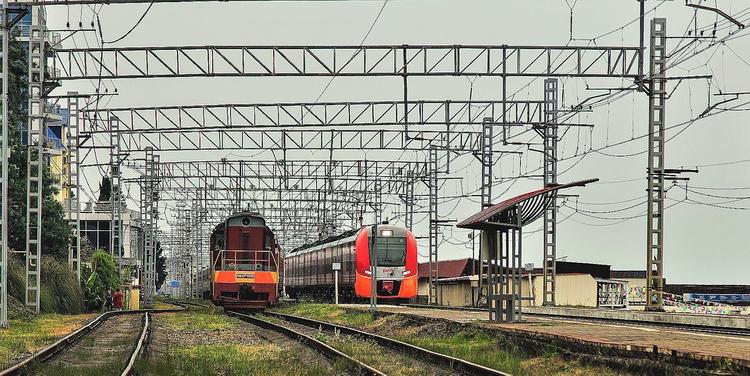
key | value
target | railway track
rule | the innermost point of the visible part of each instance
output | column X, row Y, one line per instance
column 425, row 360
column 325, row 350
column 111, row 338
column 742, row 332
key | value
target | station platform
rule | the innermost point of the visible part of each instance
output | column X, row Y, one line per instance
column 626, row 339
column 709, row 321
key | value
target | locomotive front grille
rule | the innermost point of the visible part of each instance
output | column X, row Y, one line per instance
column 388, row 288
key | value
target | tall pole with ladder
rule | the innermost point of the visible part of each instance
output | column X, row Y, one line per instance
column 4, row 159
column 35, row 157
column 550, row 178
column 655, row 189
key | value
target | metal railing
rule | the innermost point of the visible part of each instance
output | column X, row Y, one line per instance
column 245, row 260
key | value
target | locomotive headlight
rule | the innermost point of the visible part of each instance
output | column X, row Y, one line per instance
column 386, row 233
column 406, row 272
column 368, row 272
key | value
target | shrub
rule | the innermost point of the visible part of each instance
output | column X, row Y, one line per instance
column 60, row 290
column 101, row 276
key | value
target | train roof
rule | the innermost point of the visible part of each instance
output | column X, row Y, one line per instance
column 338, row 238
column 245, row 214
column 329, row 239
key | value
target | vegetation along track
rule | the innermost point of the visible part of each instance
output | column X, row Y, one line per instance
column 353, row 365
column 743, row 332
column 419, row 359
column 108, row 345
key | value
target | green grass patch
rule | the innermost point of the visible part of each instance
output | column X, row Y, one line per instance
column 100, row 370
column 262, row 359
column 197, row 321
column 477, row 348
column 25, row 337
column 329, row 313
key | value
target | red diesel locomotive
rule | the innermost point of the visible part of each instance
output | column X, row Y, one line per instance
column 308, row 269
column 244, row 263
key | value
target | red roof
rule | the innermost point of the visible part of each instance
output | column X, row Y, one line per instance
column 447, row 268
column 533, row 203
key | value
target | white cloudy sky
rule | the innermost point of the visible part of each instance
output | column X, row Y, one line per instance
column 704, row 244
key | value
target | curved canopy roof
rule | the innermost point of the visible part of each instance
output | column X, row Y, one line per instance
column 532, row 204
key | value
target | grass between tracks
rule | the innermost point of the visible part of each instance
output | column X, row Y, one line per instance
column 23, row 338
column 475, row 346
column 213, row 352
column 258, row 359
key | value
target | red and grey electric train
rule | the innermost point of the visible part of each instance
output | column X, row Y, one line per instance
column 309, row 269
column 244, row 263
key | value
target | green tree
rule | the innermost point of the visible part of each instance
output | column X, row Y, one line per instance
column 56, row 231
column 105, row 189
column 100, row 277
column 161, row 265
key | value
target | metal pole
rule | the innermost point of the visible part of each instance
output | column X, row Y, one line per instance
column 549, row 266
column 336, row 285
column 641, row 48
column 4, row 156
column 432, row 297
column 73, row 188
column 655, row 189
column 35, row 156
column 373, row 268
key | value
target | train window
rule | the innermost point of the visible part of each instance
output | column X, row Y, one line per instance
column 267, row 240
column 391, row 251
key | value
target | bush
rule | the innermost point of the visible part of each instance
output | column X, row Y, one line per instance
column 60, row 290
column 101, row 276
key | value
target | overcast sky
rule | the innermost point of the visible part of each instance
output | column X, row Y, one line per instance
column 703, row 244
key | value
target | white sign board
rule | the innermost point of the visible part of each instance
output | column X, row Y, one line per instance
column 336, row 266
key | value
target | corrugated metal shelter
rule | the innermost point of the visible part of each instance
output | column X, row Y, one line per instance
column 501, row 227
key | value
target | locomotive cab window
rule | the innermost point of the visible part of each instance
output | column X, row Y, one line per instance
column 267, row 241
column 391, row 251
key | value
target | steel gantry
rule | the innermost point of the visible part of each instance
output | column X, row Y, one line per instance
column 249, row 126
column 381, row 60
column 315, row 114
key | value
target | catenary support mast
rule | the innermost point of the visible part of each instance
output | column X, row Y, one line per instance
column 72, row 188
column 35, row 156
column 655, row 189
column 550, row 178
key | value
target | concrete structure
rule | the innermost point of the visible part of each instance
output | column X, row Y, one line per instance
column 95, row 230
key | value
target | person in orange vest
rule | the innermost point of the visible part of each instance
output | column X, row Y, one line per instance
column 117, row 299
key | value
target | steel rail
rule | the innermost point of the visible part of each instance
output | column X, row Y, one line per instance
column 55, row 349
column 743, row 332
column 308, row 341
column 140, row 346
column 452, row 363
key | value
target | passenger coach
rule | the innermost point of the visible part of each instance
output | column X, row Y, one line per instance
column 308, row 269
